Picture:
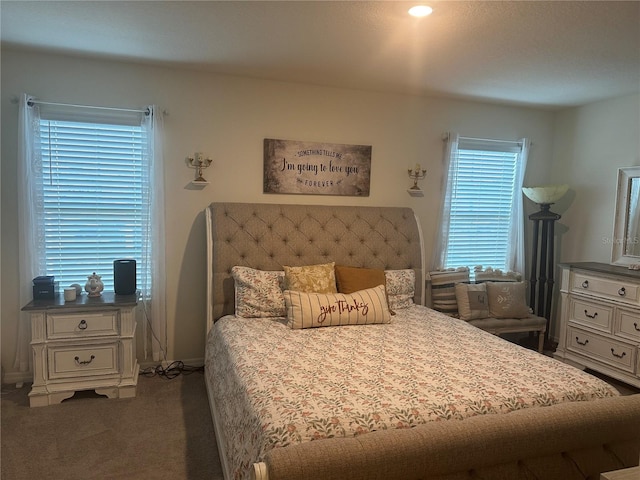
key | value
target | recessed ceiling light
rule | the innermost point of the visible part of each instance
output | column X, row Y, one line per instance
column 420, row 11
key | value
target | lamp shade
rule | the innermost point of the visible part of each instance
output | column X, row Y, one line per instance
column 545, row 194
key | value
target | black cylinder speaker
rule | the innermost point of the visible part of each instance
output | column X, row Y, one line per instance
column 124, row 276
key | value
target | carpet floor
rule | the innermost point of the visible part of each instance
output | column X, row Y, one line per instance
column 165, row 432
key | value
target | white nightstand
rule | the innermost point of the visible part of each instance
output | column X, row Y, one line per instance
column 87, row 344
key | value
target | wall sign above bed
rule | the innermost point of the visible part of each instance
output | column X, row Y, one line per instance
column 316, row 168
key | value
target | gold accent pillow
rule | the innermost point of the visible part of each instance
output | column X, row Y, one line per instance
column 352, row 279
column 507, row 299
column 309, row 310
column 311, row 278
column 472, row 300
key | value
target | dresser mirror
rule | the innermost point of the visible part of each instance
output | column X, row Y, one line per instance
column 626, row 234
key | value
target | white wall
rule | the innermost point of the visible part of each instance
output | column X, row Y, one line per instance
column 591, row 143
column 227, row 118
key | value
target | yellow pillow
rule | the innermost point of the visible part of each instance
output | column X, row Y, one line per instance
column 309, row 310
column 352, row 279
column 311, row 278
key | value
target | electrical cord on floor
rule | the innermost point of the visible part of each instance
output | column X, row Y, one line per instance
column 171, row 371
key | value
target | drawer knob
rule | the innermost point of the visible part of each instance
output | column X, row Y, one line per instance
column 635, row 325
column 585, row 284
column 82, row 325
column 613, row 352
column 581, row 343
column 622, row 292
column 594, row 315
column 87, row 362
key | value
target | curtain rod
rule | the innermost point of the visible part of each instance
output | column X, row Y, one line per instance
column 32, row 102
column 446, row 136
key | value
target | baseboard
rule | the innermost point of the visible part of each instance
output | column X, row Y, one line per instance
column 17, row 378
column 192, row 362
column 20, row 378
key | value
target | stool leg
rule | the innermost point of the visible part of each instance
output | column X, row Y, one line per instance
column 540, row 342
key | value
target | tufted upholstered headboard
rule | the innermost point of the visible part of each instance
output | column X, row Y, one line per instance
column 268, row 236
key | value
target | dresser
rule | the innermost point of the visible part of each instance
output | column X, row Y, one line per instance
column 86, row 344
column 600, row 319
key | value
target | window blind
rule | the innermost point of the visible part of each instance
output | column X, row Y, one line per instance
column 484, row 178
column 93, row 189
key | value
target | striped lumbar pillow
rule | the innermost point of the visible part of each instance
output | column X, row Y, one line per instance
column 443, row 293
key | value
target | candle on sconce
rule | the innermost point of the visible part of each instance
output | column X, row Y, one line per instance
column 418, row 173
column 199, row 163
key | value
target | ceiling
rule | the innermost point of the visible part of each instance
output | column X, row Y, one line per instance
column 546, row 54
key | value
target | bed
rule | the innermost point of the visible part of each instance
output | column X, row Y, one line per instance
column 415, row 394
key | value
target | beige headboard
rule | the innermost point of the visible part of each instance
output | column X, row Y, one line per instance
column 268, row 236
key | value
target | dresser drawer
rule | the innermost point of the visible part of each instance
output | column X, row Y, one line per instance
column 628, row 322
column 592, row 314
column 69, row 361
column 82, row 324
column 592, row 345
column 619, row 290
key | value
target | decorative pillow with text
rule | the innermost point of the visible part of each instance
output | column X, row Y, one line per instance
column 309, row 310
column 472, row 300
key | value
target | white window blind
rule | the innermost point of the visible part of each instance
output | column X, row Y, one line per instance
column 483, row 176
column 93, row 191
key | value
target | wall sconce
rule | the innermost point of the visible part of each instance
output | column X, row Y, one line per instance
column 417, row 173
column 199, row 163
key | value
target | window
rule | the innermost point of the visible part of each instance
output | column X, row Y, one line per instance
column 93, row 190
column 482, row 218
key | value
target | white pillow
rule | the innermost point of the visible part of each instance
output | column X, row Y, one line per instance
column 507, row 299
column 309, row 310
column 258, row 293
column 472, row 300
column 401, row 286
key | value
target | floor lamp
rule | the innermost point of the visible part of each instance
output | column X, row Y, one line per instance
column 542, row 255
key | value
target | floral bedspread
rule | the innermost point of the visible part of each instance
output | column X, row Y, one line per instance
column 274, row 386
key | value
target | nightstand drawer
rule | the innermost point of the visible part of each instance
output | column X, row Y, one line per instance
column 601, row 348
column 66, row 362
column 82, row 324
column 618, row 290
column 592, row 314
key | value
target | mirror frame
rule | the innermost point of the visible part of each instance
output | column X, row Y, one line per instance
column 618, row 256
